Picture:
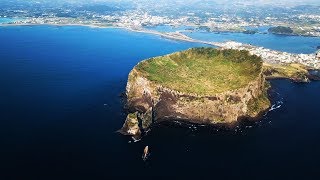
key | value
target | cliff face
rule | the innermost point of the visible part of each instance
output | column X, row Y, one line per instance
column 156, row 103
column 168, row 104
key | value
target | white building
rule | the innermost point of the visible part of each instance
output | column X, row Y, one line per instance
column 318, row 54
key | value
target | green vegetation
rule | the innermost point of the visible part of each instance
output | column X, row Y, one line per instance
column 204, row 28
column 204, row 71
column 291, row 71
column 132, row 119
column 280, row 30
column 249, row 32
column 132, row 115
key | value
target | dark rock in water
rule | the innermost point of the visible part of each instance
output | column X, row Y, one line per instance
column 314, row 75
column 146, row 118
column 249, row 32
column 314, row 78
column 137, row 123
column 318, row 47
column 122, row 95
column 131, row 126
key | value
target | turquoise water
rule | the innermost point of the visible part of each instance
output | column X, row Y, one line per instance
column 166, row 28
column 292, row 44
column 61, row 105
column 8, row 20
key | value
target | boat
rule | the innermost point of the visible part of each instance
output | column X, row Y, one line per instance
column 145, row 153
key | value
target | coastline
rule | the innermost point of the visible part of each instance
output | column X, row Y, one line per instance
column 59, row 25
column 169, row 35
column 165, row 35
column 268, row 55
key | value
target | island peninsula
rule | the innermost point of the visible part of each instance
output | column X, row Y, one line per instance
column 199, row 85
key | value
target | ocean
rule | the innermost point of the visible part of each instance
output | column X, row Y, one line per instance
column 61, row 105
column 8, row 20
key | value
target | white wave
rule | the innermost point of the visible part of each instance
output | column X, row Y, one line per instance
column 275, row 106
column 135, row 140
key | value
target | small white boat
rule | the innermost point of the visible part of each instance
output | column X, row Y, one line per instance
column 145, row 153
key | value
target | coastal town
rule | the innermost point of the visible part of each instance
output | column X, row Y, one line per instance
column 302, row 22
column 140, row 19
column 268, row 56
column 275, row 57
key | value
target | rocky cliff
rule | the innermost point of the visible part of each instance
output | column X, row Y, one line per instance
column 229, row 87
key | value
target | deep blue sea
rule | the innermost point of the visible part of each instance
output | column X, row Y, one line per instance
column 60, row 108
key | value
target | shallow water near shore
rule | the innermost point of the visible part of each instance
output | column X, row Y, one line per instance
column 4, row 20
column 61, row 107
column 291, row 44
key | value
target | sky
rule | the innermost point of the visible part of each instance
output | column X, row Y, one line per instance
column 256, row 2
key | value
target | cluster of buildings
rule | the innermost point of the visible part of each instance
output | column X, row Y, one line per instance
column 318, row 54
column 275, row 57
column 227, row 24
column 52, row 20
column 139, row 19
column 313, row 29
column 134, row 20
